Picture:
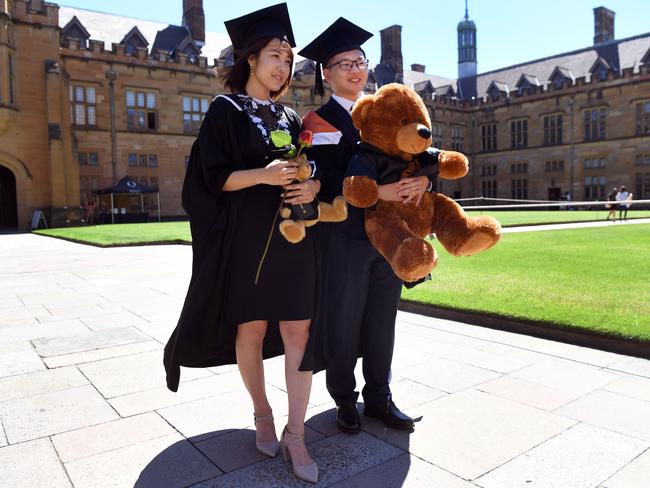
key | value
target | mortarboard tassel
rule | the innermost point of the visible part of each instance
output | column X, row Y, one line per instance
column 319, row 89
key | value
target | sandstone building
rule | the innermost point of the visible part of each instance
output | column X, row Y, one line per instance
column 89, row 97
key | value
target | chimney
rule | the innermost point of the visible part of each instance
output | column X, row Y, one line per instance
column 418, row 67
column 603, row 25
column 391, row 48
column 194, row 19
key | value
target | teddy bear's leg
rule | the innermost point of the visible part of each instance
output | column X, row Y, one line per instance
column 337, row 211
column 460, row 234
column 410, row 257
column 293, row 231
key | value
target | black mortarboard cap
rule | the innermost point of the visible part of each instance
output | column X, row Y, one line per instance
column 268, row 22
column 339, row 37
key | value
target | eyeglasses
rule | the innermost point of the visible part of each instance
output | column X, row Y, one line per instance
column 346, row 64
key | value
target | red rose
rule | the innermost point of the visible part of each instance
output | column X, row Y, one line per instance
column 305, row 138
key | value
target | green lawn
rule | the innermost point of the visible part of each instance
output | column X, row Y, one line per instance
column 125, row 234
column 594, row 278
column 509, row 218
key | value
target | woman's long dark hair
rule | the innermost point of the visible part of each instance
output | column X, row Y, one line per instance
column 236, row 76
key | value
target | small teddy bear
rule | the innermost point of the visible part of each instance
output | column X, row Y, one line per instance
column 306, row 215
column 395, row 128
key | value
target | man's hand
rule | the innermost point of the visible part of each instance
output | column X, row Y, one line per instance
column 390, row 192
column 412, row 189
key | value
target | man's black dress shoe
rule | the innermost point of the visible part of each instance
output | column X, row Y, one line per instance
column 389, row 414
column 347, row 418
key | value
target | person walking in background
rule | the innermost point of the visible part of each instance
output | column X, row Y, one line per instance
column 621, row 196
column 627, row 204
column 90, row 211
column 611, row 197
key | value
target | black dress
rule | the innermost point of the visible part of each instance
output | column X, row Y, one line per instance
column 285, row 285
column 229, row 231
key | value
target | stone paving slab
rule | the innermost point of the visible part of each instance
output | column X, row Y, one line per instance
column 132, row 374
column 77, row 358
column 612, row 411
column 635, row 366
column 448, row 376
column 44, row 331
column 235, row 450
column 38, row 383
column 158, row 398
column 18, row 358
column 113, row 320
column 581, row 457
column 165, row 462
column 88, row 341
column 338, row 457
column 32, row 464
column 632, row 386
column 407, row 471
column 470, row 433
column 97, row 439
column 634, row 475
column 51, row 413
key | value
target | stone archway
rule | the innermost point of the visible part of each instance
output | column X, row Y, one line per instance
column 8, row 202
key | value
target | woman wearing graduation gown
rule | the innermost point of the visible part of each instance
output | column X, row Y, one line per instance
column 251, row 296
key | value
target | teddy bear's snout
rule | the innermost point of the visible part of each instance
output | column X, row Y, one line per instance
column 424, row 132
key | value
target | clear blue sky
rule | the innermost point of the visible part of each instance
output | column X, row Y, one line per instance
column 508, row 31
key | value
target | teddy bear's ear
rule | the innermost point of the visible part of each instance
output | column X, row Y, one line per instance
column 360, row 110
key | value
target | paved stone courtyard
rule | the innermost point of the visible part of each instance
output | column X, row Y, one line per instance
column 83, row 401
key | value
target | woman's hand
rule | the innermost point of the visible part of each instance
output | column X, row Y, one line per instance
column 304, row 192
column 279, row 172
column 412, row 189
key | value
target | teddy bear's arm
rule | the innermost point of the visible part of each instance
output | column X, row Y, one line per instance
column 360, row 184
column 452, row 165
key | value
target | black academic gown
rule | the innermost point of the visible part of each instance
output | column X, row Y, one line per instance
column 227, row 140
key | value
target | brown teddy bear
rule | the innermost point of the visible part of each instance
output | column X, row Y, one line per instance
column 394, row 129
column 294, row 230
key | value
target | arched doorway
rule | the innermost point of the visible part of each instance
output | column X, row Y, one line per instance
column 8, row 205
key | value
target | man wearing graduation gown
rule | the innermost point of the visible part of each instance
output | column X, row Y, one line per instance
column 361, row 290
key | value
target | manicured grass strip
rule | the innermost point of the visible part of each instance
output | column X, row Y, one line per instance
column 125, row 234
column 594, row 278
column 509, row 218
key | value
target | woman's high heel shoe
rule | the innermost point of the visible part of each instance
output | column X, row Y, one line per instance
column 268, row 448
column 307, row 472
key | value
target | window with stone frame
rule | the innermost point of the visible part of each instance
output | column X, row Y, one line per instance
column 593, row 163
column 519, row 168
column 488, row 170
column 595, row 124
column 519, row 133
column 83, row 101
column 457, row 135
column 519, row 189
column 642, row 159
column 595, row 187
column 141, row 110
column 88, row 159
column 555, row 165
column 643, row 117
column 642, row 186
column 489, row 137
column 436, row 135
column 194, row 109
column 553, row 129
column 489, row 188
column 142, row 160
